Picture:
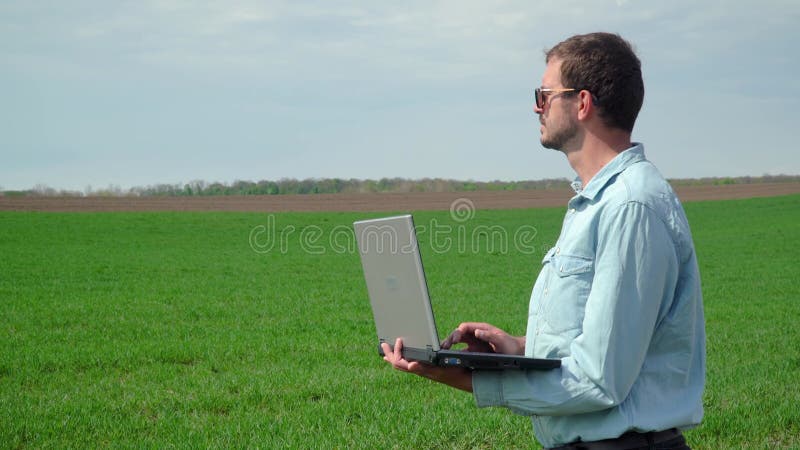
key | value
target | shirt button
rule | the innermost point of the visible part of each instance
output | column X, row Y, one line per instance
column 561, row 269
column 546, row 290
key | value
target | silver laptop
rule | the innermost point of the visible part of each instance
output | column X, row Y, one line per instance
column 401, row 306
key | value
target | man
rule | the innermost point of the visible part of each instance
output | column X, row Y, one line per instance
column 618, row 298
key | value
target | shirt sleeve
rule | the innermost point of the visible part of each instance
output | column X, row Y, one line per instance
column 636, row 268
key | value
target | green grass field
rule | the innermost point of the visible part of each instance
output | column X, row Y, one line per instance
column 175, row 330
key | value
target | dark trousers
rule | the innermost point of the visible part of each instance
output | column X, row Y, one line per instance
column 659, row 440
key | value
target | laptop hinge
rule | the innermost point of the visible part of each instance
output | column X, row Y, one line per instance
column 431, row 354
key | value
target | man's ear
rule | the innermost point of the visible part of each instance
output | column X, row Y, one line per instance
column 586, row 108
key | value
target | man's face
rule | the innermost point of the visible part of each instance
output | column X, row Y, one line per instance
column 559, row 125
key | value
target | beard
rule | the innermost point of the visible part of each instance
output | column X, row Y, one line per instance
column 558, row 137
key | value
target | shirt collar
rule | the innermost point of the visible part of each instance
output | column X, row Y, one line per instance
column 614, row 167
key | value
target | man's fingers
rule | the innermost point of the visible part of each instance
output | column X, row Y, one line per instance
column 470, row 327
column 485, row 335
column 453, row 338
column 465, row 331
column 388, row 352
column 394, row 356
column 415, row 367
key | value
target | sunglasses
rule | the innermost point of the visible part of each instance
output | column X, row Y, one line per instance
column 541, row 94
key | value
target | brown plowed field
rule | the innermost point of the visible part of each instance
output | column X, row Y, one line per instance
column 365, row 202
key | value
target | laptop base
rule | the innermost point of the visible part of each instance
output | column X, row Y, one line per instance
column 475, row 360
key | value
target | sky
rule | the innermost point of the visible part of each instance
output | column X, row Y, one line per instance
column 97, row 94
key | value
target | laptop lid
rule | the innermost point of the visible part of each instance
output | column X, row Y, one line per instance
column 396, row 283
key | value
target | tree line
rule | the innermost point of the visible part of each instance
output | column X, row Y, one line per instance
column 291, row 186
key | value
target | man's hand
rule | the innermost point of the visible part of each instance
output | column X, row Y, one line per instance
column 457, row 377
column 482, row 337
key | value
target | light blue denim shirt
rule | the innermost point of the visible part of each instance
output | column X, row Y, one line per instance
column 618, row 301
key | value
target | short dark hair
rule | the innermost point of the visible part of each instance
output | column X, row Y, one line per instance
column 606, row 65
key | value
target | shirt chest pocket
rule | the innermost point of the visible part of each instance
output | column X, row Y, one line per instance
column 567, row 265
column 570, row 280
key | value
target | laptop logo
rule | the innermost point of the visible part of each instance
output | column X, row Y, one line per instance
column 392, row 283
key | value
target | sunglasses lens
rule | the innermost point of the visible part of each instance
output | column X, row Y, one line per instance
column 538, row 94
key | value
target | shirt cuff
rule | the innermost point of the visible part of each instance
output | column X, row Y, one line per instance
column 487, row 387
